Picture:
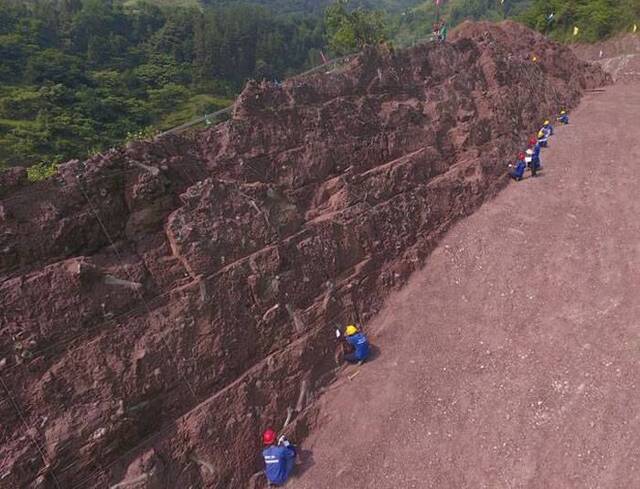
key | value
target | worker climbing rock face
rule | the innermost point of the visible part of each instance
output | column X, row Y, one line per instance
column 279, row 457
column 442, row 33
column 518, row 168
column 359, row 342
column 547, row 128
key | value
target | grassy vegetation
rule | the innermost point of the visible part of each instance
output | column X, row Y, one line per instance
column 164, row 3
column 41, row 171
column 594, row 19
column 81, row 76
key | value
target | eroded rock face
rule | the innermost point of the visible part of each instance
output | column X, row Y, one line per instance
column 619, row 57
column 165, row 302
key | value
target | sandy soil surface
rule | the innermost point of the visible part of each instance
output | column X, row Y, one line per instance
column 512, row 359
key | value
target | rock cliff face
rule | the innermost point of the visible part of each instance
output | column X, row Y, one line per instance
column 163, row 303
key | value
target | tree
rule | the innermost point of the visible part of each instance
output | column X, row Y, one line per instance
column 55, row 66
column 79, row 75
column 597, row 19
column 348, row 31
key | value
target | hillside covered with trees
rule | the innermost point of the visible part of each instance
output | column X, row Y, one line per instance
column 79, row 76
column 594, row 19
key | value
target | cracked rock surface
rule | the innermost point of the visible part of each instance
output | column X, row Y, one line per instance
column 163, row 303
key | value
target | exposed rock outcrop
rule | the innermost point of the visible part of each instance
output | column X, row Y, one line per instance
column 619, row 57
column 163, row 303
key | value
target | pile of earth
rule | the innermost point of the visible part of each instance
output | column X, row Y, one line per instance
column 620, row 56
column 163, row 303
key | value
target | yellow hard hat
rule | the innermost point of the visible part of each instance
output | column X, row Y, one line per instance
column 351, row 330
column 546, row 123
column 563, row 112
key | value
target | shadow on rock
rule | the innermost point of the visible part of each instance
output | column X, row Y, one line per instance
column 305, row 462
column 374, row 353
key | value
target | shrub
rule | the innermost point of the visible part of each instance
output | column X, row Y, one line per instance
column 41, row 171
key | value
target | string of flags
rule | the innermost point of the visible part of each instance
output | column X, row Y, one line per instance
column 576, row 30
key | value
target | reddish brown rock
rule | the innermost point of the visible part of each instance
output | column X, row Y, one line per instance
column 12, row 179
column 163, row 303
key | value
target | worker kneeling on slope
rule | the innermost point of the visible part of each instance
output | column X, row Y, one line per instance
column 563, row 117
column 519, row 168
column 359, row 345
column 279, row 458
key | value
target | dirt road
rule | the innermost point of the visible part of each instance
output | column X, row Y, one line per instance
column 512, row 360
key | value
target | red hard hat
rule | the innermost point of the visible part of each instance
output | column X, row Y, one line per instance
column 532, row 141
column 269, row 437
column 521, row 155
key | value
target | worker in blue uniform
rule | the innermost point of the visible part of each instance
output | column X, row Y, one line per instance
column 544, row 133
column 543, row 138
column 533, row 157
column 563, row 117
column 518, row 168
column 279, row 458
column 359, row 344
column 536, row 165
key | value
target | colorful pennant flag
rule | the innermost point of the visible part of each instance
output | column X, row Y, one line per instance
column 635, row 27
column 575, row 31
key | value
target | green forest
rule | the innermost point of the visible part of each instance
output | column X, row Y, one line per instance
column 79, row 76
column 595, row 19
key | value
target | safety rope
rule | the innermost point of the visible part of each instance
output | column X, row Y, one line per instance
column 131, row 278
column 314, row 324
column 209, row 118
column 315, row 327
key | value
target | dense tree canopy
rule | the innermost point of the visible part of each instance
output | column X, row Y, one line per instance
column 77, row 76
column 595, row 19
column 350, row 30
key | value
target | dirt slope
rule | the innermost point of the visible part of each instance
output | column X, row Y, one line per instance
column 511, row 359
column 163, row 303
